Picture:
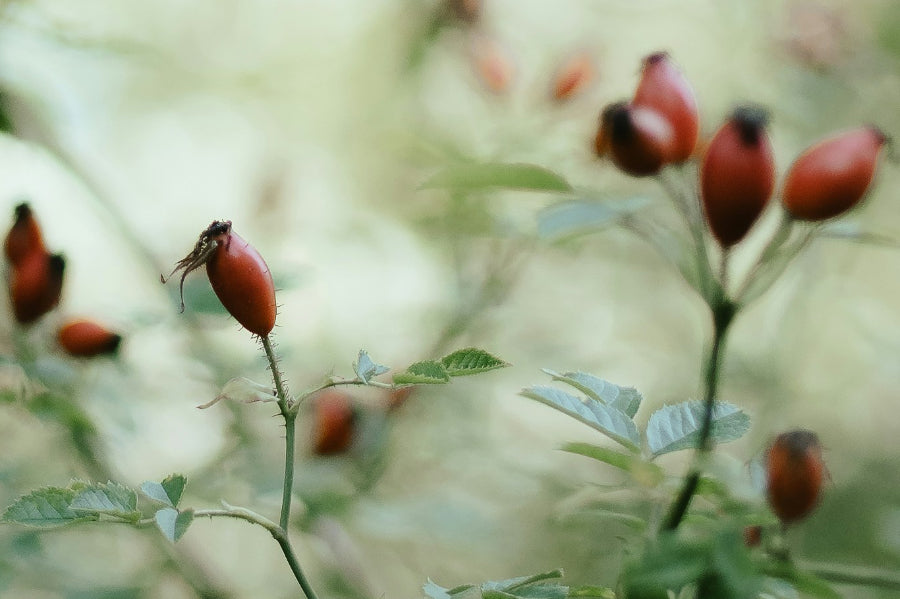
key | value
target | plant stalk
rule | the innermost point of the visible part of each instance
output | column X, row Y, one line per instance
column 723, row 312
column 855, row 575
column 280, row 532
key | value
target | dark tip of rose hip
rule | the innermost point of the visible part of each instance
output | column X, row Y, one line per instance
column 57, row 264
column 618, row 117
column 22, row 211
column 656, row 57
column 800, row 440
column 114, row 342
column 218, row 227
column 750, row 120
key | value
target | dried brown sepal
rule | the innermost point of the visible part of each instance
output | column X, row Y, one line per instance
column 203, row 250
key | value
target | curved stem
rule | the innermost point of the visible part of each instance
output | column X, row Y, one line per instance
column 278, row 533
column 724, row 312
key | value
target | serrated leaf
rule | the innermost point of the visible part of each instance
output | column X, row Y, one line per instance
column 608, row 420
column 581, row 216
column 169, row 491
column 365, row 368
column 471, row 360
column 677, row 427
column 624, row 399
column 173, row 523
column 646, row 473
column 45, row 508
column 495, row 175
column 511, row 584
column 428, row 372
column 112, row 499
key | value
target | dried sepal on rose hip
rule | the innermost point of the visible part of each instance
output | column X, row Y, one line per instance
column 638, row 140
column 334, row 423
column 24, row 238
column 795, row 472
column 84, row 338
column 664, row 89
column 832, row 176
column 238, row 275
column 737, row 175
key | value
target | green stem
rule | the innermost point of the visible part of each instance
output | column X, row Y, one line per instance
column 724, row 312
column 290, row 417
column 279, row 533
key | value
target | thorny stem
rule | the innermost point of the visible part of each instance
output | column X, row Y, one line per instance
column 724, row 311
column 290, row 418
column 279, row 533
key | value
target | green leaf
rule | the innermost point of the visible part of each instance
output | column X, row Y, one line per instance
column 521, row 581
column 644, row 472
column 435, row 591
column 111, row 499
column 173, row 523
column 591, row 592
column 169, row 491
column 669, row 564
column 608, row 420
column 624, row 399
column 46, row 508
column 495, row 175
column 581, row 216
column 365, row 368
column 428, row 372
column 471, row 360
column 677, row 427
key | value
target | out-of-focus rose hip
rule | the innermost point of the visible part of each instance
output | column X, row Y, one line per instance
column 24, row 237
column 795, row 472
column 737, row 175
column 35, row 286
column 87, row 339
column 334, row 423
column 638, row 140
column 832, row 176
column 664, row 88
column 572, row 77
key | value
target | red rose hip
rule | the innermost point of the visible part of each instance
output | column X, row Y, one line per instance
column 334, row 423
column 737, row 175
column 238, row 274
column 24, row 237
column 664, row 88
column 832, row 176
column 639, row 140
column 795, row 472
column 87, row 339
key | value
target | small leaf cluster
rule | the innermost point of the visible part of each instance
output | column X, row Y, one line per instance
column 545, row 585
column 610, row 409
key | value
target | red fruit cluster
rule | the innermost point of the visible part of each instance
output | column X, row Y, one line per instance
column 36, row 275
column 795, row 472
column 238, row 274
column 334, row 423
column 659, row 126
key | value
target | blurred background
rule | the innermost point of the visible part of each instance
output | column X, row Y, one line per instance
column 311, row 125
